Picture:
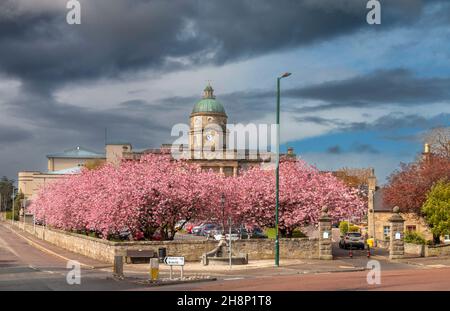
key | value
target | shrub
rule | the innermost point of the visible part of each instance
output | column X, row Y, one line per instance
column 9, row 215
column 270, row 232
column 343, row 227
column 298, row 234
column 414, row 238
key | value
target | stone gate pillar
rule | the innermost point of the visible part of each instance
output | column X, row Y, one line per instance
column 325, row 249
column 396, row 238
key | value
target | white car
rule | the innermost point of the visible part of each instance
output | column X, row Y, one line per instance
column 447, row 239
column 234, row 237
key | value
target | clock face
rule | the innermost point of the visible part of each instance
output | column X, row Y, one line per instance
column 209, row 137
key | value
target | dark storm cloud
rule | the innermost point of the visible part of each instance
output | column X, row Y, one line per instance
column 40, row 48
column 382, row 87
column 143, row 126
column 356, row 147
column 363, row 148
column 387, row 122
column 334, row 149
column 10, row 135
column 399, row 120
column 396, row 86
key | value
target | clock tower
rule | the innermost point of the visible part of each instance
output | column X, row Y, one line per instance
column 208, row 122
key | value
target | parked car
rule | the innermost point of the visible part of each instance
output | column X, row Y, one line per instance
column 208, row 229
column 196, row 230
column 189, row 227
column 447, row 239
column 217, row 234
column 252, row 233
column 352, row 239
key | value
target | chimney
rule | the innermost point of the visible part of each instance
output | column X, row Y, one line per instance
column 426, row 151
column 290, row 152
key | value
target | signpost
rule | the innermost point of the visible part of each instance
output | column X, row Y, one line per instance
column 175, row 261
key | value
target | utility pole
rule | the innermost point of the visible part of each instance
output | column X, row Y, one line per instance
column 277, row 172
column 12, row 200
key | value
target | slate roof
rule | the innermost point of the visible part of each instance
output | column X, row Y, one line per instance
column 78, row 153
column 67, row 171
column 378, row 204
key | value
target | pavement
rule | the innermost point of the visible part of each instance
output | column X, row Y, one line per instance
column 27, row 263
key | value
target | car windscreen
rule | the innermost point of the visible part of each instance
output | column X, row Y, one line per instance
column 354, row 234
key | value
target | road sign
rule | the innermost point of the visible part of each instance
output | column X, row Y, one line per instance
column 174, row 261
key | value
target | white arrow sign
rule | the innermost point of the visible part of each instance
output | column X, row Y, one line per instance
column 174, row 261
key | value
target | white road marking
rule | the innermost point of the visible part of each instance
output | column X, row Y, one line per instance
column 437, row 266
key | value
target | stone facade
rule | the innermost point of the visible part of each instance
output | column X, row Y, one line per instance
column 378, row 215
column 411, row 221
column 396, row 246
column 192, row 250
column 325, row 236
column 437, row 250
column 415, row 249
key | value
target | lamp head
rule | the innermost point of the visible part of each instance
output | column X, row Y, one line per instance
column 286, row 74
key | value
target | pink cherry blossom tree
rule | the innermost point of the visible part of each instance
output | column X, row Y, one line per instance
column 154, row 194
column 303, row 192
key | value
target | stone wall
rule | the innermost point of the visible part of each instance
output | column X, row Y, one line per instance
column 437, row 250
column 302, row 248
column 415, row 249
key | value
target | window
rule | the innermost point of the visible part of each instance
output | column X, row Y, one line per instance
column 411, row 228
column 386, row 231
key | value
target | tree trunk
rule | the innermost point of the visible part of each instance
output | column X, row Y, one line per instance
column 436, row 239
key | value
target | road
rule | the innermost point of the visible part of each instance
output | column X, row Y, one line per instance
column 24, row 267
column 391, row 280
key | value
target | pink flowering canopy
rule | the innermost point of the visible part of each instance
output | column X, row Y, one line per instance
column 154, row 194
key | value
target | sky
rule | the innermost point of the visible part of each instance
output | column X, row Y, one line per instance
column 360, row 95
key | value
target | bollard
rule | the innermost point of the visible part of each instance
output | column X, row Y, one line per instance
column 118, row 266
column 154, row 269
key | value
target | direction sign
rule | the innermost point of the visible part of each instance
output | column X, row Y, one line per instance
column 174, row 261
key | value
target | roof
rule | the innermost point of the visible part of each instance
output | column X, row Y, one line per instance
column 67, row 171
column 78, row 153
column 115, row 143
column 208, row 103
column 378, row 202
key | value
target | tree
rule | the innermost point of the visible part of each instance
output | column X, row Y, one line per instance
column 407, row 187
column 6, row 192
column 303, row 192
column 437, row 209
column 152, row 195
column 344, row 228
column 439, row 140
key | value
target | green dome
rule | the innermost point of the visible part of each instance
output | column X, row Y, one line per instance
column 208, row 105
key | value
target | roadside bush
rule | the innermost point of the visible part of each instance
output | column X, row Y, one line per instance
column 9, row 215
column 414, row 238
column 343, row 227
column 270, row 232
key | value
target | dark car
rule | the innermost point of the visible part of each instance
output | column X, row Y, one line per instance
column 353, row 240
column 196, row 230
column 253, row 233
column 209, row 229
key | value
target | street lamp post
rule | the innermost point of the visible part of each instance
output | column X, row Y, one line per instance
column 12, row 200
column 222, row 201
column 277, row 172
